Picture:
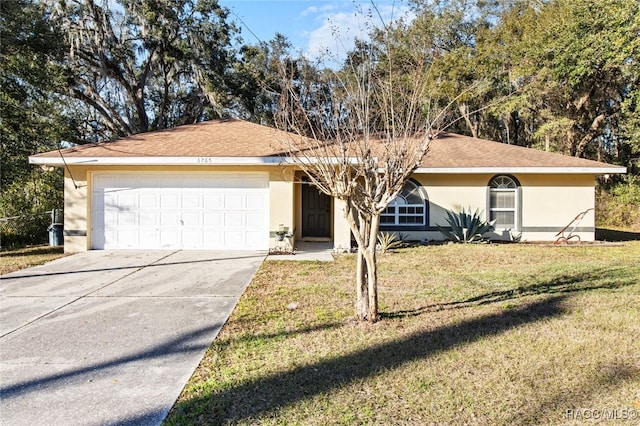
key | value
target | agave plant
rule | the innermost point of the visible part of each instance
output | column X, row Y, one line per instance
column 388, row 241
column 466, row 227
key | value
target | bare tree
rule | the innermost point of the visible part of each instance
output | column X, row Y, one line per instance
column 360, row 133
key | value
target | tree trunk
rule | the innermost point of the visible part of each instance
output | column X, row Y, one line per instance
column 372, row 268
column 589, row 135
column 362, row 289
column 365, row 231
column 367, row 285
column 464, row 110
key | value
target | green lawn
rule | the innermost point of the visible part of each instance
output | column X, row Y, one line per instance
column 476, row 334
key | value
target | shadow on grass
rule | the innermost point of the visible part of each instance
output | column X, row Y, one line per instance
column 566, row 405
column 261, row 396
column 281, row 335
column 604, row 278
column 36, row 251
column 603, row 234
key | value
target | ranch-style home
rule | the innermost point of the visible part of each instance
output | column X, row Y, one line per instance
column 226, row 184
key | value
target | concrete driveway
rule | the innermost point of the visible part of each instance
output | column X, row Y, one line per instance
column 111, row 337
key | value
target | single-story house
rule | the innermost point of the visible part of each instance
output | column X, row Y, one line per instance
column 226, row 184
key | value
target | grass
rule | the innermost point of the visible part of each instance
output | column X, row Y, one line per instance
column 471, row 334
column 15, row 260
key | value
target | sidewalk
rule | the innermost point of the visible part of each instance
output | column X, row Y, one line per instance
column 318, row 251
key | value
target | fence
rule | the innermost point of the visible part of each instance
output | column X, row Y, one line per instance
column 28, row 229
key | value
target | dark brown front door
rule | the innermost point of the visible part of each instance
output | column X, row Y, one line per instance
column 316, row 212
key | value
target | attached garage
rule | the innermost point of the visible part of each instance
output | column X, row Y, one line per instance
column 180, row 211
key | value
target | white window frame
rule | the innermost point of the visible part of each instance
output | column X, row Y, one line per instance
column 513, row 187
column 400, row 202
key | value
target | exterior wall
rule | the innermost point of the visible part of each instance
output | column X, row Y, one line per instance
column 551, row 202
column 548, row 203
column 341, row 228
column 452, row 193
column 76, row 210
column 281, row 206
column 447, row 192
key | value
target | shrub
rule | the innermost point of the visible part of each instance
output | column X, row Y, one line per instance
column 619, row 206
column 389, row 241
column 466, row 227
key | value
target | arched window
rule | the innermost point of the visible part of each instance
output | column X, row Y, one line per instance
column 504, row 202
column 407, row 209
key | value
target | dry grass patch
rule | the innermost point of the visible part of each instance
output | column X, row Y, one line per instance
column 14, row 260
column 482, row 334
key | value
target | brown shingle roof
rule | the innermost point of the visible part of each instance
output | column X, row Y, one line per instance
column 451, row 150
column 237, row 138
column 215, row 138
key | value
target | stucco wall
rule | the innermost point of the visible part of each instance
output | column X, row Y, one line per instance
column 76, row 214
column 341, row 228
column 548, row 202
column 281, row 205
column 551, row 202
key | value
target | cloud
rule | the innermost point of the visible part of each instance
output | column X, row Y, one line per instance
column 336, row 34
column 340, row 26
column 311, row 10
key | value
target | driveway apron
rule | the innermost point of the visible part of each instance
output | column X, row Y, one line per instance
column 111, row 337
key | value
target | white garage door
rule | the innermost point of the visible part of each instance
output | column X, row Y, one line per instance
column 180, row 211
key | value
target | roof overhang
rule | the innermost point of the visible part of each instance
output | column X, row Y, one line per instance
column 523, row 170
column 158, row 161
column 274, row 161
column 176, row 161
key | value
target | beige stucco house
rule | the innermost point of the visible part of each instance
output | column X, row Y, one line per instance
column 225, row 184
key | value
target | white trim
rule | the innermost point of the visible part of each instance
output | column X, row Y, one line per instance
column 241, row 161
column 175, row 161
column 515, row 209
column 522, row 170
column 164, row 161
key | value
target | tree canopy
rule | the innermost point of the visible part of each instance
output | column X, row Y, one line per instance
column 140, row 65
column 32, row 119
column 568, row 71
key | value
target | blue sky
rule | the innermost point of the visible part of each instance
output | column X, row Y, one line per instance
column 310, row 24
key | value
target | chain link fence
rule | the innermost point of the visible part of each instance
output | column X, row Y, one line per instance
column 30, row 229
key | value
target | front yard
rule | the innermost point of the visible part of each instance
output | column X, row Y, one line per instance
column 14, row 260
column 477, row 334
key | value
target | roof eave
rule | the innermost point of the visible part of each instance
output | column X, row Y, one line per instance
column 177, row 161
column 524, row 170
column 158, row 161
column 277, row 160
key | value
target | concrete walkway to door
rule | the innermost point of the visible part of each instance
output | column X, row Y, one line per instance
column 106, row 338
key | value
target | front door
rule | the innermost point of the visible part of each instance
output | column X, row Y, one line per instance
column 316, row 212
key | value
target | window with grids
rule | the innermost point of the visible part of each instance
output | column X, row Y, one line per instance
column 407, row 209
column 503, row 202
